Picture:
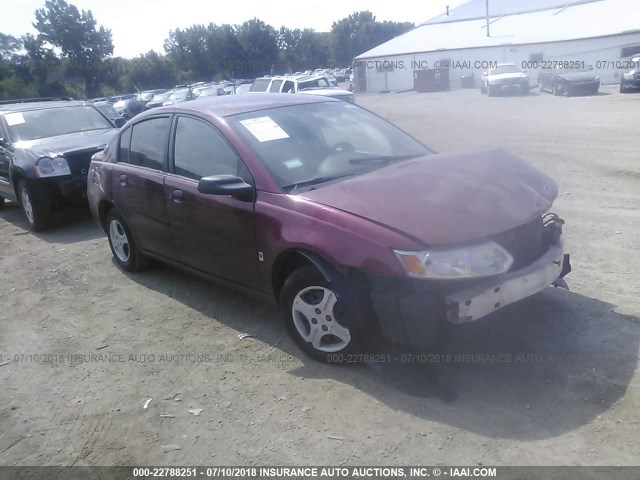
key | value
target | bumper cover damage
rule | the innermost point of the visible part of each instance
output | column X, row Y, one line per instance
column 482, row 299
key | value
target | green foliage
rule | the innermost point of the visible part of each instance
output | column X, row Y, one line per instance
column 72, row 55
column 360, row 32
column 75, row 33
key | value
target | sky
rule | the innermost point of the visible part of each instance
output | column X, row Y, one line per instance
column 138, row 26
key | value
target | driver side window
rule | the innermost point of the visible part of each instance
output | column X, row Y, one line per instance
column 201, row 151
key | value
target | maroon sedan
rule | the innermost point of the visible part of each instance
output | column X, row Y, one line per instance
column 351, row 225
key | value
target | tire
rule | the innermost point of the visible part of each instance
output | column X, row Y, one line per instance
column 555, row 90
column 123, row 246
column 2, row 202
column 328, row 335
column 623, row 89
column 35, row 207
column 490, row 91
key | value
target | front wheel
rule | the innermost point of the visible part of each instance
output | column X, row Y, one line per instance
column 317, row 316
column 123, row 246
column 556, row 90
column 35, row 207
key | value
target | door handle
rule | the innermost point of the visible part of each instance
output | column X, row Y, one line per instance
column 177, row 196
column 123, row 180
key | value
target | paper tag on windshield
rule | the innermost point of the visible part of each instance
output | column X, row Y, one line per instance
column 295, row 163
column 264, row 129
column 14, row 119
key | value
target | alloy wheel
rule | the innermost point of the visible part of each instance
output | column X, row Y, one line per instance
column 317, row 318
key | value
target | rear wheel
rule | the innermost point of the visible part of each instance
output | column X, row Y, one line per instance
column 317, row 316
column 35, row 207
column 123, row 245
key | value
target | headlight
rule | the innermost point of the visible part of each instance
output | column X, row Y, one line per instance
column 628, row 76
column 472, row 261
column 51, row 167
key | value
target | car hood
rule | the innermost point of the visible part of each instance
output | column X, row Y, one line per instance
column 503, row 76
column 445, row 198
column 72, row 142
column 577, row 76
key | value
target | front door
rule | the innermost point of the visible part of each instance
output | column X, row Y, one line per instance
column 212, row 233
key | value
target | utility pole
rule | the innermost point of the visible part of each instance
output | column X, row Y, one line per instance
column 487, row 10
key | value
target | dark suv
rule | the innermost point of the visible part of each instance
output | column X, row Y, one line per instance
column 45, row 150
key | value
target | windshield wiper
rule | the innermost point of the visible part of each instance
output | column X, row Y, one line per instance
column 383, row 158
column 291, row 188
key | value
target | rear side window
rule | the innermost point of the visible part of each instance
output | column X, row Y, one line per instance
column 260, row 85
column 289, row 87
column 275, row 86
column 200, row 150
column 148, row 143
column 125, row 145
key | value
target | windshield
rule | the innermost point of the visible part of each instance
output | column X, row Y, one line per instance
column 504, row 69
column 305, row 145
column 317, row 83
column 51, row 122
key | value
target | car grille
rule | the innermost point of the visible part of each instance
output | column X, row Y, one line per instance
column 524, row 243
column 512, row 81
column 79, row 162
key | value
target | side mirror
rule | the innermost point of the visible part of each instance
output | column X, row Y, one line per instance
column 119, row 122
column 226, row 185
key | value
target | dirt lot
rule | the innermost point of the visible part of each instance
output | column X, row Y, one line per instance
column 87, row 344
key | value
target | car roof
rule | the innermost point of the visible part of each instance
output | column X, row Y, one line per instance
column 23, row 107
column 227, row 105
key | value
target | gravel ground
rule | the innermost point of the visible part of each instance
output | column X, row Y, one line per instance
column 87, row 344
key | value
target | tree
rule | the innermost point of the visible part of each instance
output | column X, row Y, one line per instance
column 76, row 34
column 360, row 32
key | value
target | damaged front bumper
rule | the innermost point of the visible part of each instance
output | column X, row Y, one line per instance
column 408, row 311
column 494, row 293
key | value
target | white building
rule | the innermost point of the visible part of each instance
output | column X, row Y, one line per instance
column 533, row 34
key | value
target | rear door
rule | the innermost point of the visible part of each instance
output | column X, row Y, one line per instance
column 212, row 233
column 138, row 184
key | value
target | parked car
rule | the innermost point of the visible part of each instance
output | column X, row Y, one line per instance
column 348, row 223
column 148, row 95
column 212, row 91
column 307, row 84
column 179, row 96
column 569, row 82
column 45, row 150
column 158, row 99
column 129, row 107
column 243, row 88
column 630, row 80
column 111, row 113
column 506, row 77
